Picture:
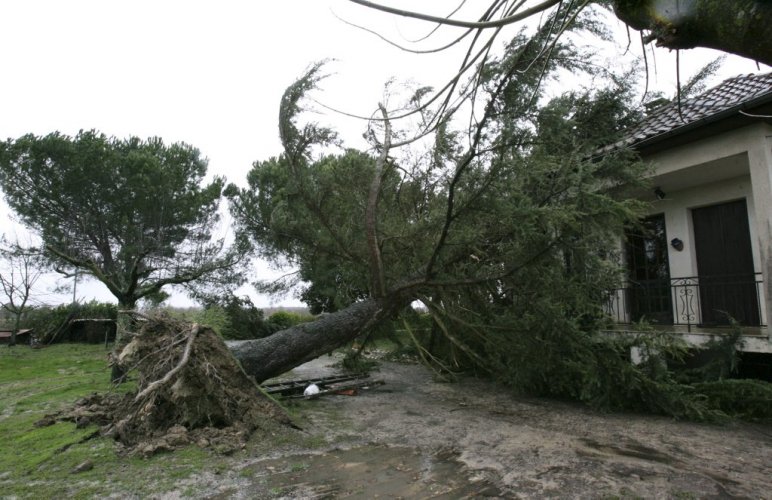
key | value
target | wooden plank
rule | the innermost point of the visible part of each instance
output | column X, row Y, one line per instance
column 337, row 388
column 290, row 386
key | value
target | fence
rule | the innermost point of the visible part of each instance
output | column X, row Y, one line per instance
column 691, row 301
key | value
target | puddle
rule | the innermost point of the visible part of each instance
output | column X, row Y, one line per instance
column 369, row 472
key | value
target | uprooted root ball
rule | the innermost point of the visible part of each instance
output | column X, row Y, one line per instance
column 190, row 389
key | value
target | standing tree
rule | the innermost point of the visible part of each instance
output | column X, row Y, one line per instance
column 17, row 279
column 133, row 214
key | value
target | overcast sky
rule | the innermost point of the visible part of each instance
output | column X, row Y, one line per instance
column 212, row 73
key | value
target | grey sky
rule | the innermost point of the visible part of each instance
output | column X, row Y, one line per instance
column 210, row 73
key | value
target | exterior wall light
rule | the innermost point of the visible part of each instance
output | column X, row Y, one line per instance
column 677, row 244
column 659, row 193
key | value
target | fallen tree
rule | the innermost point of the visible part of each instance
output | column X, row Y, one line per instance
column 513, row 206
column 503, row 231
column 273, row 355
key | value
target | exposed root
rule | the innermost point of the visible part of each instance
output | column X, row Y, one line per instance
column 190, row 389
column 169, row 376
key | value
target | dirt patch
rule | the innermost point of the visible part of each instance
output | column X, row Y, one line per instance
column 507, row 446
column 189, row 390
column 373, row 471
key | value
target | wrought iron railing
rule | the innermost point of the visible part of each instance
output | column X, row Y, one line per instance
column 691, row 301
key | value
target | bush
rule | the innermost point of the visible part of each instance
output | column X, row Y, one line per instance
column 47, row 321
column 214, row 317
column 245, row 321
column 746, row 399
column 231, row 317
column 281, row 320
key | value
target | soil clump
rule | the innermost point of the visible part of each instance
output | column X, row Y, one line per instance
column 189, row 389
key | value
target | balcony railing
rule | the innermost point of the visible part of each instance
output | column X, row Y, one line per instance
column 707, row 301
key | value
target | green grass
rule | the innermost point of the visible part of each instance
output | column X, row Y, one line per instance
column 38, row 462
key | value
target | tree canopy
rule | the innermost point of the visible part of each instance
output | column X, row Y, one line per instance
column 134, row 214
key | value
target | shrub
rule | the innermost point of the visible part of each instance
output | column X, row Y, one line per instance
column 747, row 399
column 231, row 317
column 47, row 321
column 281, row 320
column 245, row 321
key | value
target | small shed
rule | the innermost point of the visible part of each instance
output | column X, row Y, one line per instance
column 90, row 331
column 85, row 330
column 22, row 336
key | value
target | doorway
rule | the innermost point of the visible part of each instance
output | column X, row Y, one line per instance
column 648, row 270
column 725, row 269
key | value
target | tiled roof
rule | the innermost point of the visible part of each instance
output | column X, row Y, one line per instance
column 731, row 95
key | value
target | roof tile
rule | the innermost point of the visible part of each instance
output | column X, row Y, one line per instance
column 730, row 93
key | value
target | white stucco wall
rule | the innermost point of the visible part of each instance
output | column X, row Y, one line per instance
column 732, row 166
column 677, row 207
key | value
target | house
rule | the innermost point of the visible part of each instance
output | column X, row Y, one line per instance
column 706, row 253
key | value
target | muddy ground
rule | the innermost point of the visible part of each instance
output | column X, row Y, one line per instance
column 417, row 438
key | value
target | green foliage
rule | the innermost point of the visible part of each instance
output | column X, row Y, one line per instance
column 47, row 320
column 234, row 318
column 551, row 354
column 697, row 83
column 746, row 399
column 504, row 230
column 354, row 362
column 283, row 197
column 717, row 359
column 133, row 214
column 281, row 320
column 245, row 321
column 454, row 214
column 241, row 320
column 213, row 317
column 547, row 345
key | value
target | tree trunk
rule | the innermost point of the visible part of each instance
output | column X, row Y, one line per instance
column 124, row 324
column 741, row 27
column 271, row 356
column 14, row 330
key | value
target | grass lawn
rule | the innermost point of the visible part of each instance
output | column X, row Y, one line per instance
column 38, row 462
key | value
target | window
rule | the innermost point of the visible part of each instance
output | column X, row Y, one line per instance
column 648, row 271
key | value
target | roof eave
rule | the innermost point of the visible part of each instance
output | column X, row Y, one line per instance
column 717, row 117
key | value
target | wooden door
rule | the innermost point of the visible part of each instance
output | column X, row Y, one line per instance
column 725, row 264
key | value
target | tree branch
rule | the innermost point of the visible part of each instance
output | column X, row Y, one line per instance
column 462, row 24
column 371, row 212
